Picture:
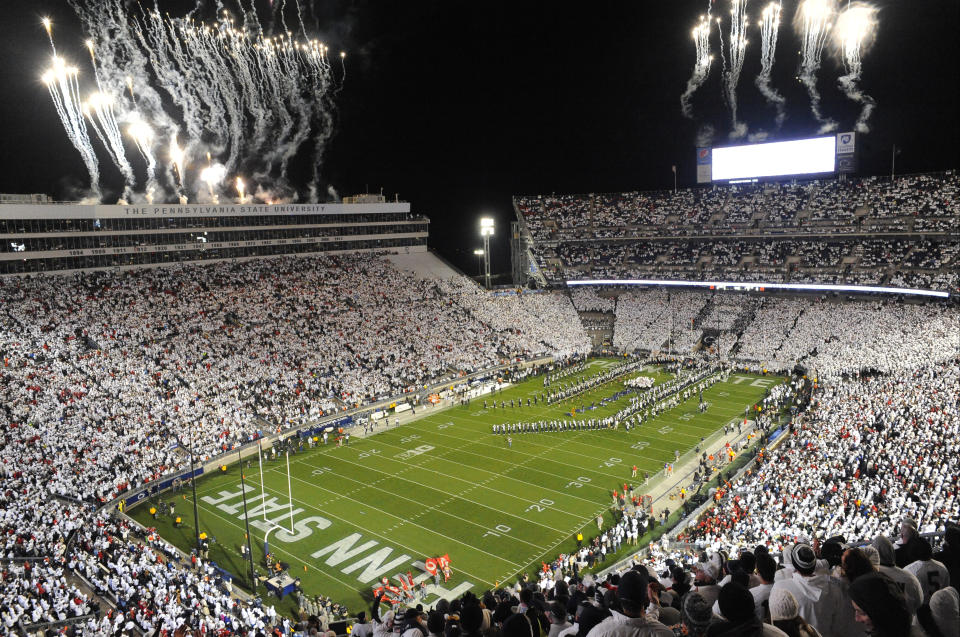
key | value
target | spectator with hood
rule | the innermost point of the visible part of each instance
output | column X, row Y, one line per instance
column 881, row 607
column 907, row 582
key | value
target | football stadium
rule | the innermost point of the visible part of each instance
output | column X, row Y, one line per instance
column 236, row 403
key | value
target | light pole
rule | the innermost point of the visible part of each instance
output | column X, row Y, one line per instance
column 246, row 521
column 479, row 253
column 486, row 231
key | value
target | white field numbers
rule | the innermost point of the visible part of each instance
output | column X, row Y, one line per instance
column 497, row 531
column 579, row 482
column 539, row 506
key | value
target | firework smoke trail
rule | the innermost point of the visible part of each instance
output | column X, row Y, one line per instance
column 813, row 23
column 104, row 122
column 855, row 29
column 99, row 110
column 723, row 55
column 143, row 136
column 701, row 68
column 61, row 81
column 303, row 29
column 250, row 100
column 120, row 61
column 769, row 29
column 738, row 47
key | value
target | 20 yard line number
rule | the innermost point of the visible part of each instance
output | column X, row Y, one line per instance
column 540, row 506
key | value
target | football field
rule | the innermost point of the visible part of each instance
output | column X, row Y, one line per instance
column 445, row 485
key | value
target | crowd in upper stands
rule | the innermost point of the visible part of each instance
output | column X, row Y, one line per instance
column 742, row 228
column 856, row 261
column 869, row 200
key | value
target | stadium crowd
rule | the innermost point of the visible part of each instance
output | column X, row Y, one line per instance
column 869, row 231
column 804, row 206
column 855, row 261
column 889, row 336
column 101, row 371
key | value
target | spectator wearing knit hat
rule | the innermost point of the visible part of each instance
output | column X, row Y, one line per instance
column 784, row 615
column 740, row 620
column 696, row 615
column 821, row 599
column 881, row 607
column 631, row 621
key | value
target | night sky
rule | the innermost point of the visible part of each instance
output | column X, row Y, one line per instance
column 457, row 106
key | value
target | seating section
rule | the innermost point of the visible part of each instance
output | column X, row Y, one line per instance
column 100, row 372
column 859, row 231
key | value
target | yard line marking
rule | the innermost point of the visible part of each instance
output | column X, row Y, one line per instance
column 402, row 519
column 502, row 475
column 441, row 491
column 353, row 525
column 536, row 455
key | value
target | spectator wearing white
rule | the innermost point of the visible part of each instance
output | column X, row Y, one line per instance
column 821, row 599
column 931, row 574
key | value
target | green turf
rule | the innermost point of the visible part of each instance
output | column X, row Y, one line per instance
column 495, row 510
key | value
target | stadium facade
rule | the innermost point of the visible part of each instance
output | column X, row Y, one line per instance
column 41, row 236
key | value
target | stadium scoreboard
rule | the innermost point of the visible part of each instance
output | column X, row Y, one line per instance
column 795, row 158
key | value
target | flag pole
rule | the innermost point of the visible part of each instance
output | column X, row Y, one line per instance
column 263, row 496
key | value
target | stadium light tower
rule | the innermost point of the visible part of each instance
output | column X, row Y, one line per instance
column 479, row 253
column 486, row 231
